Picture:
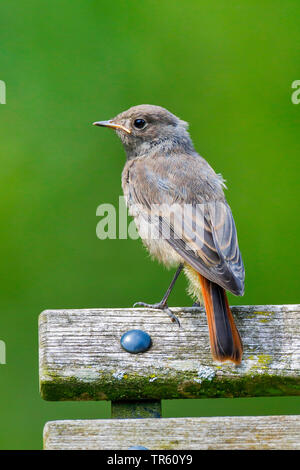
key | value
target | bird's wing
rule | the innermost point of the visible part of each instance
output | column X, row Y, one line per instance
column 180, row 202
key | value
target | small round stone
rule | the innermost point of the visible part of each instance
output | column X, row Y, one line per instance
column 136, row 341
column 138, row 448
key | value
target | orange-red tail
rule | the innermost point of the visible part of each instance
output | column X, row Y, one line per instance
column 225, row 341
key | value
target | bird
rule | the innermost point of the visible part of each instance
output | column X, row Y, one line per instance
column 180, row 211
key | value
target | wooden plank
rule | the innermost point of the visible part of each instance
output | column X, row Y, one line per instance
column 229, row 432
column 81, row 357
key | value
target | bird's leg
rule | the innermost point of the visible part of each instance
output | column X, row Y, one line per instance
column 162, row 305
column 163, row 302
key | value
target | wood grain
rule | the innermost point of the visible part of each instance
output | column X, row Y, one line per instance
column 230, row 432
column 81, row 357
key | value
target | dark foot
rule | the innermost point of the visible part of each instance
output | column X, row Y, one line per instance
column 196, row 304
column 160, row 306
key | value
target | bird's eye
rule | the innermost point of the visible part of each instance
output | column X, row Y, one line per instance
column 139, row 123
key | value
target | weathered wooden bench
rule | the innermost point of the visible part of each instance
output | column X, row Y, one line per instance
column 81, row 359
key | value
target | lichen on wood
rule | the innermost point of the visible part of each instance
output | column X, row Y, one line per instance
column 218, row 433
column 81, row 357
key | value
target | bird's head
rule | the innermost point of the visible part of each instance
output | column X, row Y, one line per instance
column 144, row 127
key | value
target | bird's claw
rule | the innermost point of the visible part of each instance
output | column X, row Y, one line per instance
column 160, row 306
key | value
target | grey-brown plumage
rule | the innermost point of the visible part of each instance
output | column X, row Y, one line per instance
column 164, row 171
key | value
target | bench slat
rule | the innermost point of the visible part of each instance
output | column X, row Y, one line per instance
column 81, row 357
column 230, row 432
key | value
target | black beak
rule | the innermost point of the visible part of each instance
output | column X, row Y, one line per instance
column 111, row 125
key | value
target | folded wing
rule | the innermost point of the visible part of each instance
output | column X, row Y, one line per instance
column 202, row 231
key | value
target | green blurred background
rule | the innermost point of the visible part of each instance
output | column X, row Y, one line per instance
column 224, row 66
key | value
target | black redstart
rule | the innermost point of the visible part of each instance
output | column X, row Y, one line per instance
column 182, row 216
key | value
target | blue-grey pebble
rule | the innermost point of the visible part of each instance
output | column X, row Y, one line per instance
column 136, row 341
column 138, row 448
